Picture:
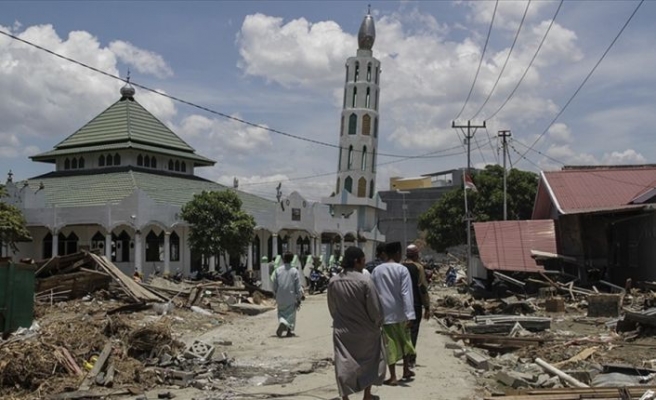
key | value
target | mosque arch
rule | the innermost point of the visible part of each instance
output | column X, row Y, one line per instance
column 140, row 160
column 366, row 124
column 348, row 184
column 357, row 71
column 101, row 161
column 117, row 159
column 353, row 124
column 67, row 164
column 354, row 102
column 80, row 163
column 362, row 187
column 363, row 164
column 337, row 188
column 369, row 72
column 349, row 164
column 372, row 184
column 74, row 163
column 367, row 99
column 109, row 160
column 147, row 161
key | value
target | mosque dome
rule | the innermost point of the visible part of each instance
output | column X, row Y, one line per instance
column 367, row 33
column 128, row 90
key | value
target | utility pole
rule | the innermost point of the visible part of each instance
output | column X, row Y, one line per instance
column 471, row 131
column 505, row 135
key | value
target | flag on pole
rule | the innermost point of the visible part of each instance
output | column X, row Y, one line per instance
column 469, row 184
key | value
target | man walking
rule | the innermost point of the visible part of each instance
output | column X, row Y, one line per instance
column 381, row 257
column 419, row 294
column 357, row 319
column 288, row 292
column 394, row 285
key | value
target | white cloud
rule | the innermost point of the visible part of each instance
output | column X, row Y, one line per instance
column 560, row 133
column 146, row 62
column 628, row 156
column 225, row 137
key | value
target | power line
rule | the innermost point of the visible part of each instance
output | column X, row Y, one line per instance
column 541, row 153
column 521, row 23
column 471, row 89
column 587, row 77
column 537, row 51
column 189, row 103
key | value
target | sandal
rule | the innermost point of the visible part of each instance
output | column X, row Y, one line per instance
column 391, row 382
column 409, row 375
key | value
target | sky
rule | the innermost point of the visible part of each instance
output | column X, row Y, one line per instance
column 280, row 64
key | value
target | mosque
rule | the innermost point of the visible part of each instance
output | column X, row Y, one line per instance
column 119, row 183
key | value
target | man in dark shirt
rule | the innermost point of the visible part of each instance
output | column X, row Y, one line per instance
column 381, row 257
column 419, row 294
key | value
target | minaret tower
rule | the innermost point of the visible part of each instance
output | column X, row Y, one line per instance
column 355, row 188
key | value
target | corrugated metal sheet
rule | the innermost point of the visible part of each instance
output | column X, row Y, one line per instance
column 507, row 245
column 598, row 189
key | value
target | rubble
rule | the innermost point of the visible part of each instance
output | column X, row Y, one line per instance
column 553, row 339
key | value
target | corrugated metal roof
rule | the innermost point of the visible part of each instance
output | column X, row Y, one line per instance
column 507, row 245
column 579, row 190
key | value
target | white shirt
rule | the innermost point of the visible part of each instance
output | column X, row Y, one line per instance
column 394, row 287
column 366, row 273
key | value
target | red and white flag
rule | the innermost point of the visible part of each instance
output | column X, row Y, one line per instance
column 469, row 184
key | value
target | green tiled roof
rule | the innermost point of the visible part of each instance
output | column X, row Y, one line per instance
column 102, row 188
column 125, row 120
column 49, row 155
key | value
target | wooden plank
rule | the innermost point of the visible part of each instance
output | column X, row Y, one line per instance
column 137, row 291
column 89, row 394
column 97, row 367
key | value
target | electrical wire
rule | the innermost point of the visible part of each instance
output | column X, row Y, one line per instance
column 489, row 141
column 521, row 23
column 189, row 103
column 537, row 51
column 478, row 70
column 610, row 46
column 541, row 153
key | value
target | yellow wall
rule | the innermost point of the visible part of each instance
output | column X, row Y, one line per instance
column 410, row 183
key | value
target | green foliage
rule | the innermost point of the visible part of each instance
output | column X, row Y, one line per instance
column 444, row 222
column 218, row 223
column 13, row 227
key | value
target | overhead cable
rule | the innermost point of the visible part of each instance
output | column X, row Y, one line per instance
column 478, row 70
column 537, row 51
column 610, row 46
column 521, row 23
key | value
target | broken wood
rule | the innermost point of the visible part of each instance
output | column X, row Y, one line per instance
column 555, row 371
column 508, row 279
column 89, row 394
column 582, row 355
column 97, row 367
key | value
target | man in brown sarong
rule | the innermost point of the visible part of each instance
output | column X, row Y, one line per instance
column 357, row 320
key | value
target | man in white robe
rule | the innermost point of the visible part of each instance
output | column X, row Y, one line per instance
column 288, row 291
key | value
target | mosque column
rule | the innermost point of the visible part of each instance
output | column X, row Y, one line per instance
column 108, row 245
column 314, row 246
column 138, row 255
column 341, row 248
column 55, row 242
column 167, row 252
column 249, row 257
column 212, row 263
column 274, row 244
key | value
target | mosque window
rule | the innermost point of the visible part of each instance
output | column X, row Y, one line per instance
column 357, row 71
column 344, row 103
column 376, row 101
column 109, row 160
column 376, row 127
column 362, row 187
column 174, row 246
column 140, row 160
column 348, row 184
column 347, row 72
column 339, row 162
column 67, row 244
column 369, row 72
column 98, row 241
column 47, row 246
column 177, row 165
column 363, row 165
column 373, row 161
column 67, row 164
column 366, row 124
column 80, row 164
column 367, row 99
column 153, row 162
column 350, row 157
column 101, row 161
column 341, row 131
column 117, row 159
column 147, row 161
column 337, row 189
column 353, row 124
column 74, row 163
column 377, row 74
column 354, row 102
column 371, row 188
column 154, row 246
column 183, row 167
column 170, row 165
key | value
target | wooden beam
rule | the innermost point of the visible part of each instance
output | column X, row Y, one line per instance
column 97, row 367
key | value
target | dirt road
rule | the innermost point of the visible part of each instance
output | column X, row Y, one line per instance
column 255, row 347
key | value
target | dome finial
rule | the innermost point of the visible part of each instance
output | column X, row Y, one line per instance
column 128, row 91
column 367, row 33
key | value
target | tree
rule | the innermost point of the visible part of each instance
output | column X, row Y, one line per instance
column 13, row 227
column 444, row 222
column 218, row 223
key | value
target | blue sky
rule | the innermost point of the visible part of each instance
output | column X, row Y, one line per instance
column 280, row 64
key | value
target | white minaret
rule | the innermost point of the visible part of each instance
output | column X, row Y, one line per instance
column 355, row 188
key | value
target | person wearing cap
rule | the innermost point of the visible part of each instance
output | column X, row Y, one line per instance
column 357, row 319
column 381, row 257
column 420, row 296
column 394, row 286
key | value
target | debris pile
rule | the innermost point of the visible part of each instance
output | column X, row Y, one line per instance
column 560, row 341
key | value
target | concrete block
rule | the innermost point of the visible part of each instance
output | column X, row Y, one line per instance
column 546, row 292
column 555, row 304
column 452, row 345
column 199, row 349
column 604, row 305
column 180, row 378
column 478, row 360
column 512, row 379
column 459, row 352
